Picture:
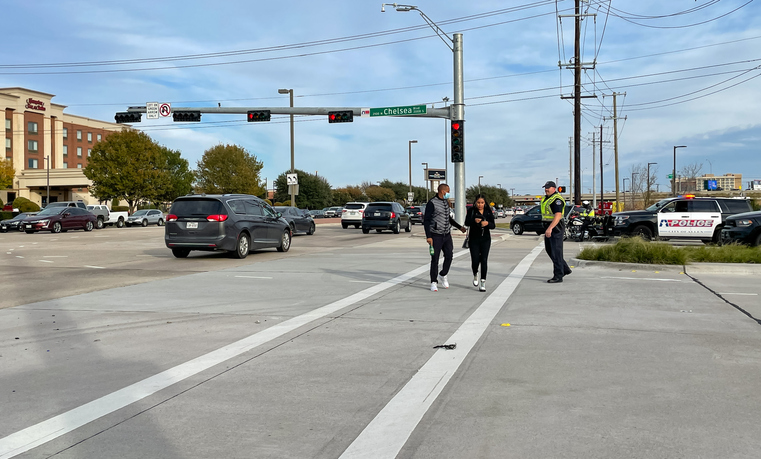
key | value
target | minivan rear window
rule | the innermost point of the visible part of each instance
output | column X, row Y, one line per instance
column 197, row 208
column 354, row 206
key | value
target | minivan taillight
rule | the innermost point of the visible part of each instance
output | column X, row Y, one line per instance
column 171, row 218
column 216, row 218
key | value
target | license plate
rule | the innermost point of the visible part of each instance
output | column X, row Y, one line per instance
column 192, row 225
column 27, row 226
column 377, row 214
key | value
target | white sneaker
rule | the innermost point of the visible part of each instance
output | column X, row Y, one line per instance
column 434, row 287
column 475, row 280
column 444, row 281
column 482, row 287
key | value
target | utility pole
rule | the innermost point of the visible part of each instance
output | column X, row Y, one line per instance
column 594, row 192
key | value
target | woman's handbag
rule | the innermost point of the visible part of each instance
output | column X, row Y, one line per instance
column 466, row 243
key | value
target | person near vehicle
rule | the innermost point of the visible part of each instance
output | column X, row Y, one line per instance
column 587, row 215
column 438, row 225
column 553, row 208
column 479, row 220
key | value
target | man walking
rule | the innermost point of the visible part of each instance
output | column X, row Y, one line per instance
column 438, row 226
column 553, row 208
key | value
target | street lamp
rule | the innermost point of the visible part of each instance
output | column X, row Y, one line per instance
column 479, row 183
column 410, row 149
column 47, row 199
column 457, row 109
column 633, row 189
column 292, row 187
column 427, row 183
column 673, row 174
column 624, row 180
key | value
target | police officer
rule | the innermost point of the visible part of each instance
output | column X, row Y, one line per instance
column 553, row 208
column 587, row 215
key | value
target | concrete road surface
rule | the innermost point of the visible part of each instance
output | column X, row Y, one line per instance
column 328, row 351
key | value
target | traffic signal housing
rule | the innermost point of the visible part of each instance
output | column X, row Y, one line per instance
column 458, row 141
column 128, row 117
column 192, row 116
column 341, row 117
column 258, row 115
column 561, row 189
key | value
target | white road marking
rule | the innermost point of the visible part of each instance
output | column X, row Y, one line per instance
column 45, row 261
column 744, row 294
column 19, row 256
column 94, row 267
column 55, row 256
column 102, row 236
column 364, row 282
column 385, row 436
column 254, row 277
column 641, row 278
column 45, row 431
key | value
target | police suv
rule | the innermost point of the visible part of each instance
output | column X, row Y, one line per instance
column 682, row 217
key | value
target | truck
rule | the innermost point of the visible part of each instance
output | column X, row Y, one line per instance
column 107, row 217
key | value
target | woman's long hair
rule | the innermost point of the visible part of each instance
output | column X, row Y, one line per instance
column 487, row 207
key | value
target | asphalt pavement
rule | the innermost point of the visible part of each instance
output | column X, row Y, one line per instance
column 329, row 351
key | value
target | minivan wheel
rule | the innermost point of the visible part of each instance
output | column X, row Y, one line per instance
column 242, row 247
column 181, row 253
column 364, row 230
column 57, row 227
column 285, row 242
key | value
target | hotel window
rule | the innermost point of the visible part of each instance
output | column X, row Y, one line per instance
column 32, row 164
column 7, row 143
column 89, row 137
column 89, row 150
column 7, row 124
column 79, row 151
column 79, row 134
column 32, row 127
column 99, row 137
column 65, row 133
column 65, row 150
column 79, row 166
column 65, row 165
column 32, row 144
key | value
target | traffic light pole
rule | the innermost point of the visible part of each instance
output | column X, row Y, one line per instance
column 458, row 113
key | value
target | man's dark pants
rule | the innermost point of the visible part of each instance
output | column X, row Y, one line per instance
column 441, row 242
column 554, row 247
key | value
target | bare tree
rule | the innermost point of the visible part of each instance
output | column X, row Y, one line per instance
column 643, row 184
column 687, row 177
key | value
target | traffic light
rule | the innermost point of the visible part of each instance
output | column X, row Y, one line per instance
column 128, row 117
column 561, row 189
column 341, row 117
column 187, row 116
column 458, row 141
column 259, row 115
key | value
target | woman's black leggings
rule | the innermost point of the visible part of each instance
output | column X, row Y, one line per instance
column 479, row 254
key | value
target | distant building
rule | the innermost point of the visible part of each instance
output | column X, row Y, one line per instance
column 38, row 135
column 754, row 185
column 725, row 182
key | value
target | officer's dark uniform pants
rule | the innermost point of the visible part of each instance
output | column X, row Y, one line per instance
column 441, row 242
column 554, row 247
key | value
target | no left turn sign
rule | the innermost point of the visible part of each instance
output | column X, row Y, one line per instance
column 165, row 109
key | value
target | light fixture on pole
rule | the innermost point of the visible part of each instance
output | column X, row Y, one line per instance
column 624, row 180
column 292, row 187
column 410, row 151
column 427, row 182
column 457, row 109
column 673, row 173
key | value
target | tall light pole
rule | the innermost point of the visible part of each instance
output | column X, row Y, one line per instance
column 427, row 182
column 410, row 149
column 479, row 183
column 292, row 187
column 673, row 174
column 624, row 180
column 633, row 189
column 457, row 109
column 47, row 199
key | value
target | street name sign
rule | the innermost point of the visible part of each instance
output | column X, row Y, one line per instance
column 399, row 111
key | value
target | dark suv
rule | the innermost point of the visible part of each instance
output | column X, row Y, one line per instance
column 416, row 214
column 235, row 223
column 683, row 217
column 385, row 215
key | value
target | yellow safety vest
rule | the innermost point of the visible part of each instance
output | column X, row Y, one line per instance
column 547, row 214
column 588, row 213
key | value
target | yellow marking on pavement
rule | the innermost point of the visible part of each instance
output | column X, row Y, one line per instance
column 505, row 325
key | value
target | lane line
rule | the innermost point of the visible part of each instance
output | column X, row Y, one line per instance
column 364, row 282
column 641, row 278
column 50, row 429
column 254, row 277
column 45, row 261
column 19, row 256
column 387, row 433
column 94, row 267
column 55, row 256
column 743, row 294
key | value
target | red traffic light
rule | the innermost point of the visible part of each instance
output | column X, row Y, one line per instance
column 341, row 117
column 456, row 126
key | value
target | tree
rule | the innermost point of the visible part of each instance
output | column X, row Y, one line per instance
column 314, row 191
column 493, row 194
column 641, row 184
column 229, row 169
column 181, row 177
column 379, row 193
column 130, row 166
column 7, row 172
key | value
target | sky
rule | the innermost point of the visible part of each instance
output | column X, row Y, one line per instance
column 685, row 71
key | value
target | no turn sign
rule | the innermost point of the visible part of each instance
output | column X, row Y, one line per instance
column 165, row 109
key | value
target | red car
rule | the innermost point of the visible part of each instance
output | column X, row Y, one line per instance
column 57, row 219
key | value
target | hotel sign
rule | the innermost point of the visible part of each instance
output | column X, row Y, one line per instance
column 34, row 104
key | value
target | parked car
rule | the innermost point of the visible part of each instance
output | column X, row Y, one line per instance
column 385, row 215
column 500, row 213
column 79, row 204
column 416, row 214
column 107, row 217
column 60, row 218
column 352, row 214
column 744, row 228
column 333, row 212
column 317, row 213
column 14, row 224
column 299, row 220
column 236, row 223
column 146, row 217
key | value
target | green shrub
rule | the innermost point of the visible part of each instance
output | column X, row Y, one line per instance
column 146, row 207
column 268, row 201
column 731, row 253
column 636, row 250
column 1, row 203
column 120, row 208
column 6, row 215
column 25, row 205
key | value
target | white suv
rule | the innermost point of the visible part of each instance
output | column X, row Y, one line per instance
column 352, row 214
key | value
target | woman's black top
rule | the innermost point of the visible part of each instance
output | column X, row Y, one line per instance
column 476, row 231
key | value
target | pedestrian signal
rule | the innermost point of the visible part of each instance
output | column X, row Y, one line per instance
column 458, row 141
column 192, row 116
column 341, row 117
column 258, row 115
column 561, row 189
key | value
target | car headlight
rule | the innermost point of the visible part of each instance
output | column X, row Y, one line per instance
column 620, row 219
column 44, row 222
column 744, row 222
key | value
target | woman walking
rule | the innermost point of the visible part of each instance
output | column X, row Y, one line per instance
column 479, row 220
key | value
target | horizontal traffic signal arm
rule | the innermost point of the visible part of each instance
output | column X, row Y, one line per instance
column 356, row 111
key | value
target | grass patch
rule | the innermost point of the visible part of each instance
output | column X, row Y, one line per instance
column 637, row 250
column 503, row 225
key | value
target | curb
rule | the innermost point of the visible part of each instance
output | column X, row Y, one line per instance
column 695, row 268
